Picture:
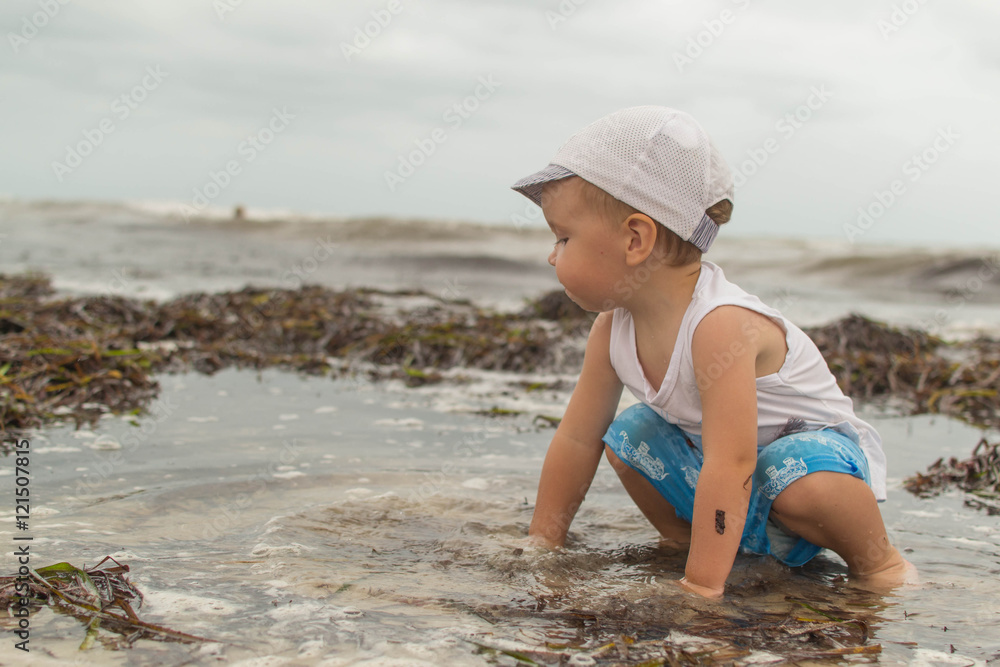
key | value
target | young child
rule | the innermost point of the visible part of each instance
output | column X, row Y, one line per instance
column 742, row 439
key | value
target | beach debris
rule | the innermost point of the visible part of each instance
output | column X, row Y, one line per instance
column 873, row 361
column 558, row 307
column 801, row 631
column 78, row 358
column 99, row 596
column 978, row 475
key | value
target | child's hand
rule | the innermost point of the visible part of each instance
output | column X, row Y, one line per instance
column 703, row 591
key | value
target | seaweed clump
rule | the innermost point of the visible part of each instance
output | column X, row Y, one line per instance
column 78, row 358
column 978, row 475
column 872, row 361
column 631, row 635
column 81, row 357
column 99, row 596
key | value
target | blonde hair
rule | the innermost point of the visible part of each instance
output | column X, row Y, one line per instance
column 677, row 251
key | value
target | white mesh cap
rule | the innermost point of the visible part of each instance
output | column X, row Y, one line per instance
column 656, row 159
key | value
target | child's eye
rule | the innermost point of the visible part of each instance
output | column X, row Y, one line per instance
column 561, row 241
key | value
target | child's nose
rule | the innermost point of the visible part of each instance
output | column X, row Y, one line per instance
column 552, row 257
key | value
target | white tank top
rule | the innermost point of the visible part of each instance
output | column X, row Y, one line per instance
column 802, row 393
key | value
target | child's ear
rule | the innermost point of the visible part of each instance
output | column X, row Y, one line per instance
column 641, row 238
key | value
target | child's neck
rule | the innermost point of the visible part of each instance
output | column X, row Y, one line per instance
column 662, row 299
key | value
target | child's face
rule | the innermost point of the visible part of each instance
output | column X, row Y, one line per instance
column 589, row 252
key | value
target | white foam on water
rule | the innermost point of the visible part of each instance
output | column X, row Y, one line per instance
column 56, row 449
column 969, row 541
column 401, row 422
column 291, row 474
column 171, row 603
column 40, row 511
column 105, row 442
column 265, row 549
column 923, row 657
column 761, row 658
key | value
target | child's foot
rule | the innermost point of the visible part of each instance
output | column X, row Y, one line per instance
column 670, row 546
column 895, row 572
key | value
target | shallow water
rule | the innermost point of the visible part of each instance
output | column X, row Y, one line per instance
column 130, row 250
column 309, row 521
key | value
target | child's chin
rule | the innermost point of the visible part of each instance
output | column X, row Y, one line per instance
column 590, row 308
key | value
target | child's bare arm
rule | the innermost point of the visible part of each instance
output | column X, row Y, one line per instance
column 576, row 447
column 725, row 356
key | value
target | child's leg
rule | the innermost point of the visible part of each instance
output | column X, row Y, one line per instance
column 815, row 485
column 674, row 532
column 658, row 466
column 838, row 511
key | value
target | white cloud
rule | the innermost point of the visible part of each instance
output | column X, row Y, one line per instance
column 355, row 117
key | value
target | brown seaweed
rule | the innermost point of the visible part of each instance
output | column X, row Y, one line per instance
column 640, row 635
column 99, row 596
column 874, row 361
column 79, row 357
column 978, row 475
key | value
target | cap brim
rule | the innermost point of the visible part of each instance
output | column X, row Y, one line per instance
column 531, row 186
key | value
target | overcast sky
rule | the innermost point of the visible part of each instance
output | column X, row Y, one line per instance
column 835, row 100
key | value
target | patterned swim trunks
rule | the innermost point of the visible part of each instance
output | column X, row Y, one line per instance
column 671, row 460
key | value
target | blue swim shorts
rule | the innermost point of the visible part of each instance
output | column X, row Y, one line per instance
column 671, row 460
